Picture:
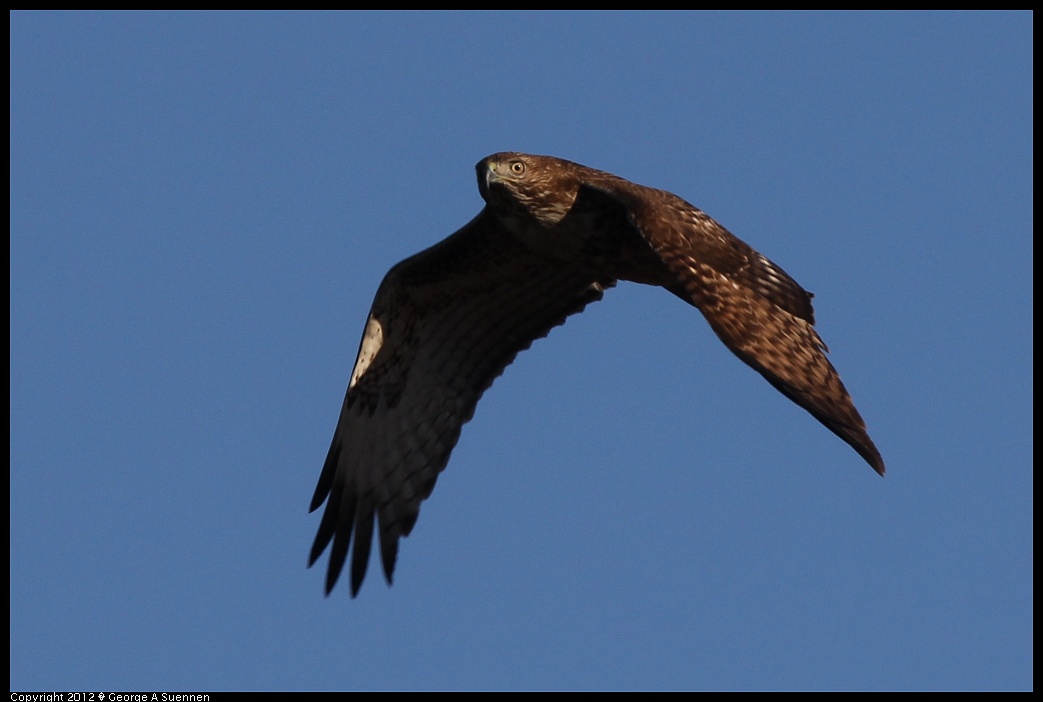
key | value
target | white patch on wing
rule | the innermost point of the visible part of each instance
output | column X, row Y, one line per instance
column 372, row 340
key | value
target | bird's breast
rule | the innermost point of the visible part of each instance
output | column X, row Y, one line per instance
column 614, row 249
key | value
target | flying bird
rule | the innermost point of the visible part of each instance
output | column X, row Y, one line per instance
column 552, row 237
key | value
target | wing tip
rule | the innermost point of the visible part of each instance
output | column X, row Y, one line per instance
column 865, row 448
column 877, row 464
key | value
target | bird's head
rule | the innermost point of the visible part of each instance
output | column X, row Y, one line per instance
column 525, row 187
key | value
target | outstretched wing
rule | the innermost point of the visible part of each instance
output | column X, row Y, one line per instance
column 760, row 313
column 444, row 324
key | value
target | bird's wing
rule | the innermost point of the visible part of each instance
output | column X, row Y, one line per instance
column 444, row 324
column 760, row 313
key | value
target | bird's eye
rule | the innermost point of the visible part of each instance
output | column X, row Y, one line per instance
column 517, row 167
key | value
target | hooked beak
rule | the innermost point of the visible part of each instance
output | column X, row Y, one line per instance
column 486, row 176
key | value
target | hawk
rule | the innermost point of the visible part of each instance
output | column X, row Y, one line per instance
column 552, row 237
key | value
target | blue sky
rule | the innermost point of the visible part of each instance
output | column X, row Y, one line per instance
column 203, row 205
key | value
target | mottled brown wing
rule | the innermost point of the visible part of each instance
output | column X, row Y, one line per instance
column 760, row 313
column 444, row 324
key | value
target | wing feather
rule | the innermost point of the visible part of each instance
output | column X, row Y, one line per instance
column 760, row 313
column 444, row 324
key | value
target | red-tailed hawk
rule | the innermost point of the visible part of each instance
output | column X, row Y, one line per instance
column 553, row 236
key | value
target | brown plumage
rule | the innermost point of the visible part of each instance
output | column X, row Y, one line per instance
column 553, row 236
